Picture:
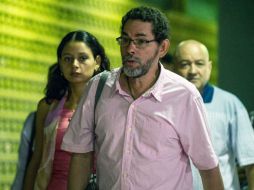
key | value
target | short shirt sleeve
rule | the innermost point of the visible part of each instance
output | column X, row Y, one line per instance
column 79, row 137
column 195, row 137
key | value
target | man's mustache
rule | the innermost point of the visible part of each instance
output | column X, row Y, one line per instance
column 130, row 58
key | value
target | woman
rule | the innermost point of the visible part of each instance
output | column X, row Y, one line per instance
column 80, row 56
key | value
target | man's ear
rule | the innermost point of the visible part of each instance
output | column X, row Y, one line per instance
column 164, row 46
column 210, row 65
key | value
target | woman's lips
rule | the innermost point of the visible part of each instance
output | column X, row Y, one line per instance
column 74, row 74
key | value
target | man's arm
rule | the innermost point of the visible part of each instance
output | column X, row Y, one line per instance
column 80, row 170
column 211, row 179
column 250, row 176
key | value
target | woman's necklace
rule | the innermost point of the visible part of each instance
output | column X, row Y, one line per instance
column 71, row 114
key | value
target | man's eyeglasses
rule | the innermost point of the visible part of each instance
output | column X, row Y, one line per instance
column 139, row 42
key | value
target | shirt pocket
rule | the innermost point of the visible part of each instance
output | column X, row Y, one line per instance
column 156, row 138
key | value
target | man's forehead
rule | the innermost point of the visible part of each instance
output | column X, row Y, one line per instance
column 136, row 34
column 193, row 49
column 138, row 27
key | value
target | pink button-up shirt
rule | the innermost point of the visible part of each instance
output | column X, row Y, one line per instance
column 143, row 144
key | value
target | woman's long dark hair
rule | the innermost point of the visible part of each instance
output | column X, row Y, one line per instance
column 57, row 85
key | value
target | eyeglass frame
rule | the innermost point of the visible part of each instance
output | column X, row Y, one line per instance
column 145, row 42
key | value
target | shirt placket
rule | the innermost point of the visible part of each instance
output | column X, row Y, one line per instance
column 127, row 153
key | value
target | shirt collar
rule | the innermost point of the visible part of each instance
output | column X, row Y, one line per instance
column 115, row 81
column 154, row 91
column 207, row 94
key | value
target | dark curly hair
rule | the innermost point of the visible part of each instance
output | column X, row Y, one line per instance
column 159, row 21
column 57, row 85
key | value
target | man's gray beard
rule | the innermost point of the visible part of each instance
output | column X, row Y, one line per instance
column 140, row 71
column 134, row 73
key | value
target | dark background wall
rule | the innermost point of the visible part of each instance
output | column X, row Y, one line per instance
column 236, row 49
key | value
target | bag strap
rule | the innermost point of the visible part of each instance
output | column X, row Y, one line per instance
column 102, row 81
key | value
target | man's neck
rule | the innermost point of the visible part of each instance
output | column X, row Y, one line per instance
column 138, row 86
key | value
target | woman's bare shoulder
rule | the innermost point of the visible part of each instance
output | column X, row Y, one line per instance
column 43, row 106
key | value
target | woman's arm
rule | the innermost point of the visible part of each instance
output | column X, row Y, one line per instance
column 31, row 172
